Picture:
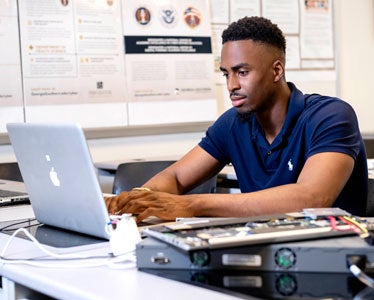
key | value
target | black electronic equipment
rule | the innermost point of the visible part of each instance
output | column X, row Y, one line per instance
column 211, row 233
column 273, row 285
column 323, row 255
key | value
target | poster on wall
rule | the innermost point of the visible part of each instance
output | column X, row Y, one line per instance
column 169, row 61
column 317, row 42
column 11, row 98
column 309, row 32
column 72, row 54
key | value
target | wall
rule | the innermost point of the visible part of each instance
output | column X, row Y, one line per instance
column 355, row 46
column 355, row 24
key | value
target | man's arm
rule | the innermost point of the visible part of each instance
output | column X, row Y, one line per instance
column 191, row 170
column 320, row 182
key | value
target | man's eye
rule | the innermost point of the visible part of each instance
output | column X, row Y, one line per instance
column 225, row 75
column 243, row 73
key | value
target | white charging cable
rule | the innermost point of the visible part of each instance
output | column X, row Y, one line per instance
column 109, row 260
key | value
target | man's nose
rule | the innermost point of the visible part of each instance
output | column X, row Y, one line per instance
column 232, row 83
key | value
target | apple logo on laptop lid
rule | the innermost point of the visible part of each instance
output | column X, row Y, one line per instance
column 53, row 174
column 54, row 177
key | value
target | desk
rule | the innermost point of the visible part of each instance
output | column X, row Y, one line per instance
column 112, row 165
column 90, row 283
column 16, row 212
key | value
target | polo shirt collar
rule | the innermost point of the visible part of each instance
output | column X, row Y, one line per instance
column 296, row 106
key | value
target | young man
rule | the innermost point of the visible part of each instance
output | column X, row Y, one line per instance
column 290, row 151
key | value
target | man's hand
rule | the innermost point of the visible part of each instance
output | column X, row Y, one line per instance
column 114, row 204
column 149, row 203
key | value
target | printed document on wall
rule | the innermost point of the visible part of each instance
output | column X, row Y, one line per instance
column 11, row 102
column 73, row 65
column 169, row 61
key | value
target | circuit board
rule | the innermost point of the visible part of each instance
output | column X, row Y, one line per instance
column 211, row 233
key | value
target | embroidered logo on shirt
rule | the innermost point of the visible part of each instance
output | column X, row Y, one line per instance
column 290, row 165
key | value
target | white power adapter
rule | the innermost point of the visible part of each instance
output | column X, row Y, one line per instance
column 125, row 236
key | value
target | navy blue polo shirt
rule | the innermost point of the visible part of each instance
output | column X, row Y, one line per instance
column 313, row 124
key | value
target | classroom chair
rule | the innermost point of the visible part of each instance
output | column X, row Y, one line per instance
column 369, row 147
column 10, row 171
column 370, row 199
column 135, row 174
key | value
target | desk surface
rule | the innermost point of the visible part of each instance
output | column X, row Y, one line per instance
column 16, row 212
column 95, row 282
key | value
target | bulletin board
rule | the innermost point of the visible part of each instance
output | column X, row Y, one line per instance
column 309, row 30
column 121, row 66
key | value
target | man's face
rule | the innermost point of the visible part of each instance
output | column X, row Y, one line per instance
column 250, row 75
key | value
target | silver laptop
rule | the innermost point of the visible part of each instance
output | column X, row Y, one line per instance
column 60, row 177
column 13, row 192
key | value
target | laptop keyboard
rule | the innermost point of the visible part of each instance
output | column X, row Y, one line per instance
column 4, row 193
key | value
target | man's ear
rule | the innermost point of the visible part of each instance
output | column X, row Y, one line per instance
column 278, row 68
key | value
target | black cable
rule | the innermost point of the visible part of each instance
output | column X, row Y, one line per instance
column 6, row 228
column 365, row 294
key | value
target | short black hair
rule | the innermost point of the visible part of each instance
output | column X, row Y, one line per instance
column 257, row 29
